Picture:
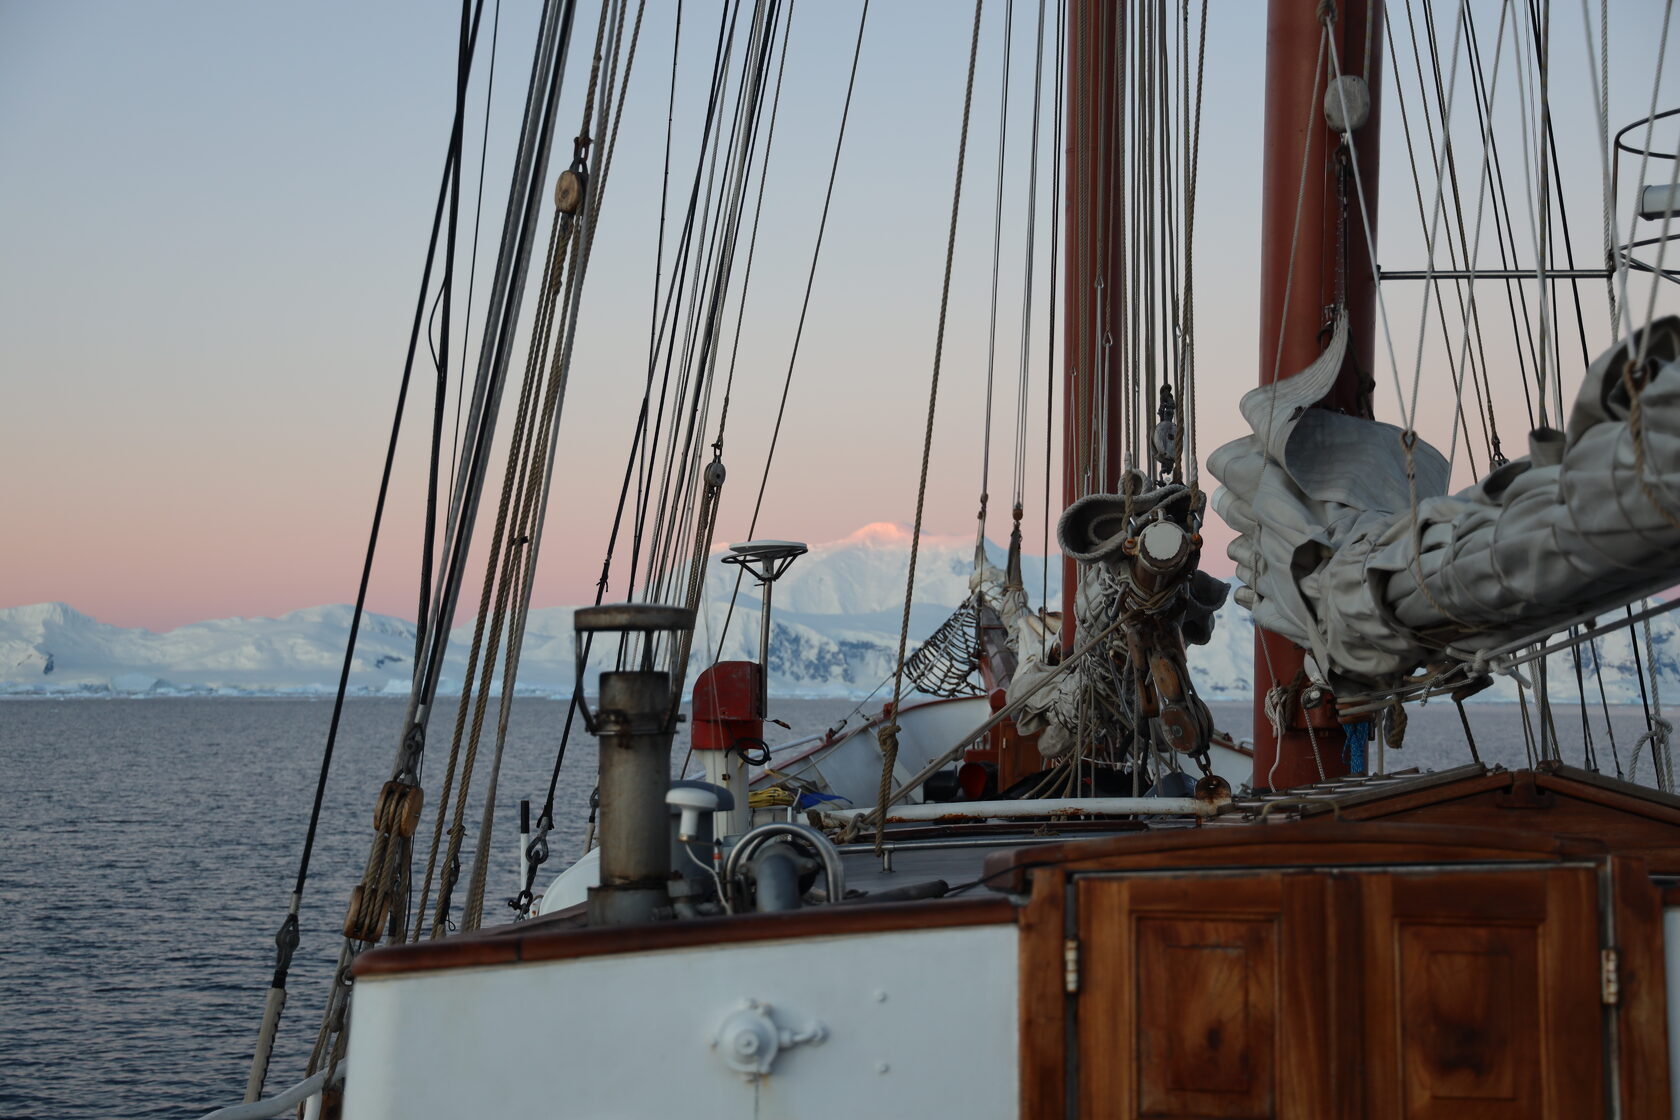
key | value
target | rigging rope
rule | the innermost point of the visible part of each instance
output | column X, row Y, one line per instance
column 997, row 259
column 804, row 310
column 288, row 937
column 1050, row 331
column 889, row 731
column 657, row 324
column 1018, row 481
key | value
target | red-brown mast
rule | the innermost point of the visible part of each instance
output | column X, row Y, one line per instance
column 1299, row 289
column 1092, row 221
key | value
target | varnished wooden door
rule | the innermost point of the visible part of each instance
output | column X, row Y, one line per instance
column 1481, row 995
column 1310, row 993
column 1200, row 996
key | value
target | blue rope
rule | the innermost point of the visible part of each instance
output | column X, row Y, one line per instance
column 1353, row 746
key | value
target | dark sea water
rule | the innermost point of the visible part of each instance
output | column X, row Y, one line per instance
column 147, row 848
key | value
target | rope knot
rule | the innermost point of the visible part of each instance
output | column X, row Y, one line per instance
column 1657, row 737
column 887, row 736
column 1396, row 726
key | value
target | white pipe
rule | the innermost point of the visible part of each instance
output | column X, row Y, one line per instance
column 282, row 1102
column 1047, row 807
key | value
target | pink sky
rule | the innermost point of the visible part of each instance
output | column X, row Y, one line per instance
column 208, row 287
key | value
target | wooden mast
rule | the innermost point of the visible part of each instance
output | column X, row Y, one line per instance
column 1300, row 281
column 1093, row 226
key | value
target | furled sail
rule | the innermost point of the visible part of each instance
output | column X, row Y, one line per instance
column 1350, row 546
column 1139, row 579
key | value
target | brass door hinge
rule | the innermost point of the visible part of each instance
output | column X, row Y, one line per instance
column 1070, row 965
column 1609, row 977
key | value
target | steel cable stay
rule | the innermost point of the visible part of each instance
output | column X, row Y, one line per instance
column 707, row 232
column 1534, row 210
column 681, row 485
column 288, row 937
column 503, row 548
column 683, row 502
column 507, row 548
column 1468, row 313
column 703, row 540
column 661, row 340
column 678, row 344
column 1018, row 480
column 710, row 288
column 647, row 441
column 705, row 523
column 1050, row 331
column 1547, row 140
column 1543, row 235
column 888, row 733
column 1514, row 294
column 1409, row 414
column 680, row 493
column 1619, row 260
column 524, row 205
column 478, row 220
column 537, row 850
column 537, row 499
column 1526, row 339
column 535, row 450
column 997, row 262
column 804, row 311
column 698, row 508
column 401, row 795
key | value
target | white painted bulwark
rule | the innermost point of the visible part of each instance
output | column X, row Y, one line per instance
column 912, row 1023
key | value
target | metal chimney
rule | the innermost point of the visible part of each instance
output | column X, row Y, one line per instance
column 634, row 719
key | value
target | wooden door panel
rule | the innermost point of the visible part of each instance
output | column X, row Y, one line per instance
column 1481, row 995
column 1468, row 1006
column 1392, row 994
column 1206, row 1016
column 1184, row 992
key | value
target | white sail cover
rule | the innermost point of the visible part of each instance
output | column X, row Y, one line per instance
column 1353, row 549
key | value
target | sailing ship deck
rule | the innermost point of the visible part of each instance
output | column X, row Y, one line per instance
column 1379, row 959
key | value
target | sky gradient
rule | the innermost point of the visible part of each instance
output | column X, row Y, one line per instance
column 213, row 217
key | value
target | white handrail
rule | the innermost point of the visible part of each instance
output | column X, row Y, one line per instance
column 1046, row 807
column 282, row 1102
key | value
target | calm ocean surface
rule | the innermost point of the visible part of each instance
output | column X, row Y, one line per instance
column 147, row 848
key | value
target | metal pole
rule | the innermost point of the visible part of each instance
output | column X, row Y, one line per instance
column 764, row 650
column 524, row 842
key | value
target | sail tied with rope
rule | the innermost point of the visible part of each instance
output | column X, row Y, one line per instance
column 1351, row 546
column 1141, row 550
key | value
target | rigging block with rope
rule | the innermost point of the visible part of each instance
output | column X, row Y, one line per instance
column 1141, row 548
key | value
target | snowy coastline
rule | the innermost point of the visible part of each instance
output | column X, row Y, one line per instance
column 834, row 636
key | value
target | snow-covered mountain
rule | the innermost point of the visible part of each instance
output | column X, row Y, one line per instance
column 834, row 628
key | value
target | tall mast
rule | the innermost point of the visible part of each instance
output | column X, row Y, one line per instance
column 1091, row 420
column 1302, row 279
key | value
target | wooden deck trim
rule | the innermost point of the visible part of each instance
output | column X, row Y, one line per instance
column 1378, row 803
column 505, row 946
column 1637, row 792
column 1642, row 1011
column 1043, row 1000
column 1610, row 793
column 1332, row 843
